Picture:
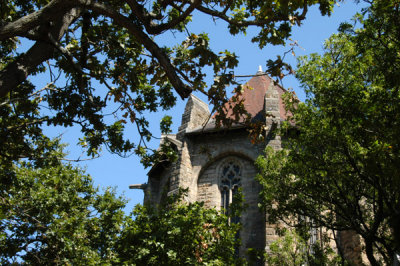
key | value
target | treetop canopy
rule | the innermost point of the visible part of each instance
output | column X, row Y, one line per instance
column 106, row 51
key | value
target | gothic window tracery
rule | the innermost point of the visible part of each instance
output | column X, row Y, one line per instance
column 229, row 183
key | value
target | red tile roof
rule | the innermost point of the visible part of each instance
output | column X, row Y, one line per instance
column 254, row 93
column 254, row 100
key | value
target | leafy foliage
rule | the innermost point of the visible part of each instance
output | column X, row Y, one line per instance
column 52, row 214
column 341, row 164
column 179, row 234
column 292, row 249
column 107, row 67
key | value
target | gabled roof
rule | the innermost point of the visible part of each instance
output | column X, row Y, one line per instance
column 254, row 100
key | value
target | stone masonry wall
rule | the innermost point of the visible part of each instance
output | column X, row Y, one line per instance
column 201, row 156
column 209, row 153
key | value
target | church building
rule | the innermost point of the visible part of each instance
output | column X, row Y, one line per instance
column 213, row 163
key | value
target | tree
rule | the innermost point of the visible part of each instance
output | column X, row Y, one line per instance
column 96, row 52
column 179, row 233
column 292, row 249
column 106, row 67
column 53, row 214
column 340, row 165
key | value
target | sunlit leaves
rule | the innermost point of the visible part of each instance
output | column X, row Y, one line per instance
column 55, row 215
column 341, row 168
column 178, row 233
column 113, row 62
column 165, row 124
column 52, row 214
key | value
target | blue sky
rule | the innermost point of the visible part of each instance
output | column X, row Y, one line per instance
column 112, row 170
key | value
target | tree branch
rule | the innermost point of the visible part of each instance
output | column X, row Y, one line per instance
column 19, row 27
column 228, row 19
column 181, row 88
column 262, row 22
column 16, row 72
column 24, row 125
column 153, row 28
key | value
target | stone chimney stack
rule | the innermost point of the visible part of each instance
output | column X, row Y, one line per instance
column 272, row 102
column 273, row 116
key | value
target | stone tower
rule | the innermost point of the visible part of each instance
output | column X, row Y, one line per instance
column 214, row 163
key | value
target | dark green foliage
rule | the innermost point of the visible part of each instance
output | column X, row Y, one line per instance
column 341, row 168
column 179, row 233
column 107, row 65
column 106, row 68
column 52, row 214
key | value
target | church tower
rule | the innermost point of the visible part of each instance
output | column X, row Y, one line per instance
column 214, row 163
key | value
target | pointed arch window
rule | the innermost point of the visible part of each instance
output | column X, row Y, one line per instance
column 229, row 183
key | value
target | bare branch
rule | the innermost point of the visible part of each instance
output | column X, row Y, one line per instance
column 47, row 87
column 79, row 159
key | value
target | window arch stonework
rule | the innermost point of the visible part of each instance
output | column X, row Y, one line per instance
column 225, row 175
column 230, row 178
